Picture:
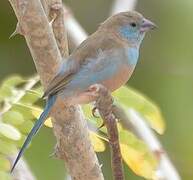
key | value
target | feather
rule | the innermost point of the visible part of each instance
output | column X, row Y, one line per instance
column 87, row 51
column 36, row 127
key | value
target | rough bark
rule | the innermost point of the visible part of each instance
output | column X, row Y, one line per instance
column 70, row 128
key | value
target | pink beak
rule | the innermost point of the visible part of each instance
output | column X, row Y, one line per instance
column 147, row 25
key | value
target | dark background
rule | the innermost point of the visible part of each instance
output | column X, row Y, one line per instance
column 164, row 73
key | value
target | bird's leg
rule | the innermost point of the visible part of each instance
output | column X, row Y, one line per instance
column 93, row 90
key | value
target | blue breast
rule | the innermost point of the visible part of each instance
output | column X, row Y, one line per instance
column 132, row 55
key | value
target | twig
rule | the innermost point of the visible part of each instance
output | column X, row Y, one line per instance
column 121, row 115
column 32, row 82
column 56, row 15
column 70, row 128
column 104, row 105
column 74, row 29
column 165, row 170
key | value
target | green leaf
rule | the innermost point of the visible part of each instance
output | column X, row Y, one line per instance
column 5, row 163
column 30, row 97
column 39, row 90
column 26, row 127
column 25, row 110
column 13, row 80
column 5, row 176
column 21, row 141
column 7, row 148
column 9, row 132
column 131, row 98
column 5, row 92
column 13, row 117
column 8, row 86
column 87, row 109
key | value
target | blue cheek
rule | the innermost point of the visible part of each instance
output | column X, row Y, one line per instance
column 128, row 33
column 131, row 34
column 133, row 55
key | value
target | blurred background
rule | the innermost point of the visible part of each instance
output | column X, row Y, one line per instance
column 164, row 73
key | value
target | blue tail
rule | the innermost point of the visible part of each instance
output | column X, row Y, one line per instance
column 37, row 126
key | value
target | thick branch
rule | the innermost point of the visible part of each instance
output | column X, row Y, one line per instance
column 73, row 143
column 104, row 104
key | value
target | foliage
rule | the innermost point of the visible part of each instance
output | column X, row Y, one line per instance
column 19, row 108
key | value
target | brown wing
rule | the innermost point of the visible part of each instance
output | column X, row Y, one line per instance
column 56, row 84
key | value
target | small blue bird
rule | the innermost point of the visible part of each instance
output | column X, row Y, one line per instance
column 106, row 57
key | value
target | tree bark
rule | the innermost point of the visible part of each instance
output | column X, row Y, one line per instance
column 70, row 128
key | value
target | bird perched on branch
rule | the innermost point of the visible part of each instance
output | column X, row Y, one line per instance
column 106, row 57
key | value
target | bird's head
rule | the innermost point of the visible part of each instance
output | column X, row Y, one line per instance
column 130, row 26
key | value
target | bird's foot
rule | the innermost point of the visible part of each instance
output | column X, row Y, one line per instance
column 94, row 111
column 101, row 126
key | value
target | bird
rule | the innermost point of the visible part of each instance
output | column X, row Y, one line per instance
column 107, row 57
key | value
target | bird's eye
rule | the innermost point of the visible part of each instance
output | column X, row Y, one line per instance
column 133, row 24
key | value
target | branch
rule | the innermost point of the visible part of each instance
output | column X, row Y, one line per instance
column 123, row 5
column 70, row 128
column 166, row 170
column 55, row 14
column 74, row 29
column 32, row 82
column 104, row 105
column 121, row 115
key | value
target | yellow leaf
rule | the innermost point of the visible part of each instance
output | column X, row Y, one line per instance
column 36, row 112
column 5, row 163
column 138, row 162
column 98, row 144
column 131, row 98
column 156, row 121
column 48, row 123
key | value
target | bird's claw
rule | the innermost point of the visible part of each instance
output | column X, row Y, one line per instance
column 94, row 112
column 102, row 125
column 94, row 115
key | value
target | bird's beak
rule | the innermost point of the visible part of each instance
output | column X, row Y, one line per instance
column 147, row 25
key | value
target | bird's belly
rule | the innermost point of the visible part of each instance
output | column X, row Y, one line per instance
column 119, row 79
column 112, row 84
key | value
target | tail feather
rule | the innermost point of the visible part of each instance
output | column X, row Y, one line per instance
column 36, row 127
